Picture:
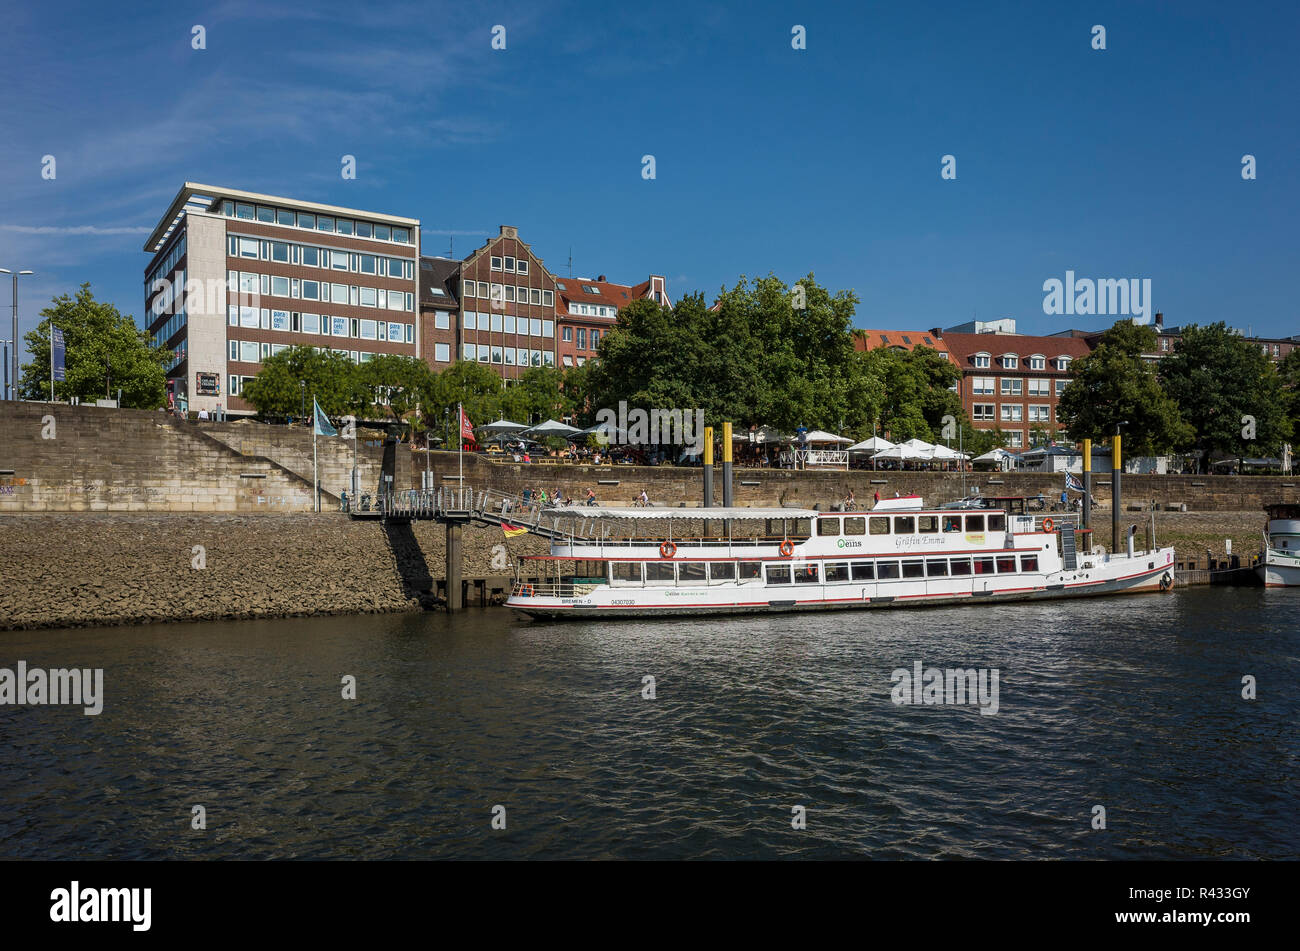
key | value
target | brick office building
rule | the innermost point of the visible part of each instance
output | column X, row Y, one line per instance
column 507, row 307
column 439, row 312
column 1013, row 381
column 586, row 310
column 235, row 277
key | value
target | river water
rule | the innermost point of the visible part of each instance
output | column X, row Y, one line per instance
column 1133, row 704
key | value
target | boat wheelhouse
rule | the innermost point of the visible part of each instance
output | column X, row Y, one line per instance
column 647, row 561
column 1279, row 564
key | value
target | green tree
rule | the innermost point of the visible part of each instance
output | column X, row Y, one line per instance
column 1288, row 373
column 536, row 396
column 1227, row 391
column 1113, row 385
column 287, row 382
column 396, row 387
column 466, row 382
column 105, row 351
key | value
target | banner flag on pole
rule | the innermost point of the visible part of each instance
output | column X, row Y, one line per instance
column 58, row 355
column 513, row 530
column 1073, row 484
column 322, row 425
column 466, row 427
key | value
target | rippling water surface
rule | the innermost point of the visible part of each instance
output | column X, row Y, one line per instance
column 1130, row 703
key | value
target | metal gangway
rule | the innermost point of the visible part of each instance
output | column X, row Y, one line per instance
column 484, row 506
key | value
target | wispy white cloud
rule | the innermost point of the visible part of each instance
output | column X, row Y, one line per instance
column 72, row 229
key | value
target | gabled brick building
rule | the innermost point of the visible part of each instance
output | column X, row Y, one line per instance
column 587, row 309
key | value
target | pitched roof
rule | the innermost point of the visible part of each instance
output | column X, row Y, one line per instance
column 963, row 347
column 900, row 339
column 439, row 273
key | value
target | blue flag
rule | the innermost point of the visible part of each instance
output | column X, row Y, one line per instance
column 58, row 355
column 322, row 425
column 1073, row 484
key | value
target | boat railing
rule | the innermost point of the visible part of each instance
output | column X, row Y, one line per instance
column 552, row 589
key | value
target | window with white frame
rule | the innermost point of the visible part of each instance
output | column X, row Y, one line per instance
column 1010, row 361
column 1015, row 439
column 496, row 263
column 1040, row 387
column 1039, row 413
column 1012, row 412
column 442, row 352
column 983, row 411
column 1038, row 362
column 1011, row 387
column 441, row 320
column 1062, row 363
column 982, row 385
column 981, row 360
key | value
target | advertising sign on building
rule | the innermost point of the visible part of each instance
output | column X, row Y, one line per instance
column 208, row 384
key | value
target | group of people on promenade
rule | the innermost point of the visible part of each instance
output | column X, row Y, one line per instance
column 540, row 497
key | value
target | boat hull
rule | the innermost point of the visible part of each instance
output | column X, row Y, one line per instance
column 1159, row 578
column 1279, row 574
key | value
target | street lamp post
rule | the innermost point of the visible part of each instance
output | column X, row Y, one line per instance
column 4, row 393
column 14, row 355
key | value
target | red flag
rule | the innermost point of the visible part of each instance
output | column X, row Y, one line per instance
column 466, row 428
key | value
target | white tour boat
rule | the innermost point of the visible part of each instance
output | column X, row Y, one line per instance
column 1279, row 565
column 897, row 554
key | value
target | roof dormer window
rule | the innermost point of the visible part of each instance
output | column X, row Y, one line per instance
column 1062, row 363
column 1010, row 361
column 1037, row 362
column 982, row 360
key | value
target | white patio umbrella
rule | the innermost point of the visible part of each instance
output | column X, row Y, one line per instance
column 820, row 435
column 874, row 444
column 920, row 445
column 944, row 454
column 502, row 426
column 902, row 452
column 551, row 428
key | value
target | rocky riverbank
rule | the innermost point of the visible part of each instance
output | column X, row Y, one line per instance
column 80, row 569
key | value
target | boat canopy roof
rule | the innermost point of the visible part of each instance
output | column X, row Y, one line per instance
column 650, row 512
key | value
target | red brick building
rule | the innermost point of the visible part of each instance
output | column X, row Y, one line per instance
column 1013, row 381
column 864, row 340
column 586, row 310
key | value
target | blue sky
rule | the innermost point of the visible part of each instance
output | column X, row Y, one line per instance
column 1123, row 163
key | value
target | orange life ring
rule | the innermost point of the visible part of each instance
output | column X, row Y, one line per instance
column 1048, row 524
column 667, row 550
column 787, row 548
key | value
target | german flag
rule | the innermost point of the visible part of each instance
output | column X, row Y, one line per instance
column 513, row 530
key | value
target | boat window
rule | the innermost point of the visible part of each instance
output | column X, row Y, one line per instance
column 691, row 572
column 778, row 574
column 863, row 571
column 751, row 570
column 997, row 522
column 828, row 526
column 723, row 570
column 837, row 572
column 659, row 572
column 879, row 525
column 1028, row 562
column 802, row 528
column 1006, row 564
column 627, row 571
column 904, row 525
column 914, row 569
column 806, row 574
column 974, row 523
column 960, row 566
column 952, row 523
column 928, row 523
column 855, row 526
column 936, row 568
column 983, row 566
column 886, row 569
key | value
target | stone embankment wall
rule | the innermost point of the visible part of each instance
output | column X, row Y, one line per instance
column 59, row 570
column 670, row 486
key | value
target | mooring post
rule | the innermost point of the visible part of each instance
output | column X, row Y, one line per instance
column 454, row 593
column 1087, row 483
column 1115, row 468
column 708, row 467
column 727, row 498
